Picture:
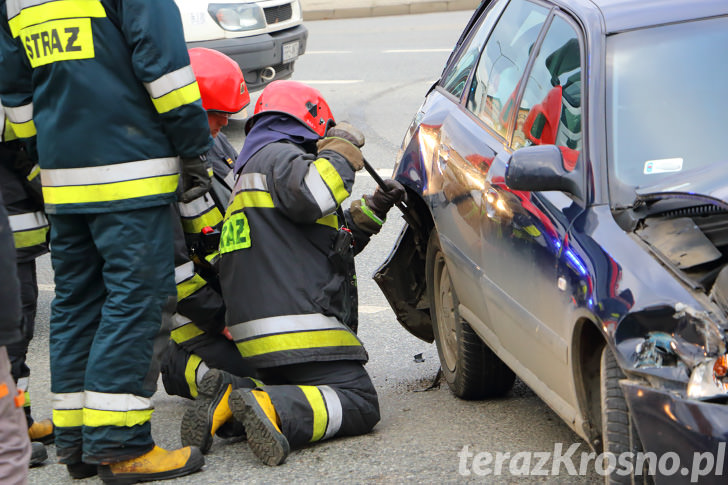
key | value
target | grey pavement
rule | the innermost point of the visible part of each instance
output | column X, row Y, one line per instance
column 338, row 9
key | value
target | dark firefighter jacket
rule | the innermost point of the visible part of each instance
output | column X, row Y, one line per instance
column 199, row 304
column 20, row 185
column 109, row 96
column 10, row 316
column 289, row 298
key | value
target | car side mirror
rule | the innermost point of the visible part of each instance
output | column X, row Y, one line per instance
column 543, row 168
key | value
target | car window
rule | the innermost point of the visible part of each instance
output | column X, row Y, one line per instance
column 495, row 82
column 456, row 77
column 550, row 111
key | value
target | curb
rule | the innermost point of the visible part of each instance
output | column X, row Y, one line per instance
column 320, row 10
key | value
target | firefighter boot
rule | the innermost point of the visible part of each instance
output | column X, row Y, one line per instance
column 157, row 464
column 209, row 412
column 255, row 409
column 38, row 454
column 41, row 431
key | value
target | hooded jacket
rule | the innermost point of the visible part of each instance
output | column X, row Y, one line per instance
column 290, row 297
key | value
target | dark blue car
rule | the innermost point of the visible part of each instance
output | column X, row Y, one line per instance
column 568, row 186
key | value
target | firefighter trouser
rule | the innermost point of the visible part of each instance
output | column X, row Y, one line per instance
column 114, row 273
column 14, row 441
column 322, row 400
column 185, row 364
column 19, row 350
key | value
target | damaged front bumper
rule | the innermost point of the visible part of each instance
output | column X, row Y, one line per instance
column 673, row 428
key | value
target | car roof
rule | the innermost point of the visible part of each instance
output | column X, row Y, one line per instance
column 621, row 15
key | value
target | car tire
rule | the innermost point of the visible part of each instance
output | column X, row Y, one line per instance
column 471, row 369
column 619, row 434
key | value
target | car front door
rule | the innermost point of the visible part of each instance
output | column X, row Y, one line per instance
column 527, row 89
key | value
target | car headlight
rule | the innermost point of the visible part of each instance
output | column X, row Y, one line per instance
column 237, row 17
column 706, row 380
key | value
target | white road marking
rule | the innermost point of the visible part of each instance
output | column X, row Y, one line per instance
column 330, row 81
column 403, row 51
column 46, row 287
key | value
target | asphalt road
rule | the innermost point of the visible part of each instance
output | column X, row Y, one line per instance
column 373, row 72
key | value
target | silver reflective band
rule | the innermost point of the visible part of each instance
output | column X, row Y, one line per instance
column 320, row 190
column 196, row 207
column 106, row 174
column 68, row 400
column 21, row 114
column 184, row 272
column 22, row 383
column 29, row 220
column 333, row 408
column 251, row 181
column 179, row 321
column 169, row 82
column 284, row 324
column 15, row 6
column 230, row 180
column 200, row 372
column 103, row 401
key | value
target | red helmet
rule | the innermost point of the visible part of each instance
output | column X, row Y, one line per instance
column 296, row 99
column 221, row 81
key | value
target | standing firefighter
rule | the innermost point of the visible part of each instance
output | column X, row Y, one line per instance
column 20, row 184
column 197, row 340
column 288, row 280
column 107, row 88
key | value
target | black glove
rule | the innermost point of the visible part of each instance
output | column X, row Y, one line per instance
column 382, row 201
column 348, row 132
column 195, row 179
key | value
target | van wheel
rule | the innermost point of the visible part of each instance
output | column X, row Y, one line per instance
column 470, row 368
column 619, row 434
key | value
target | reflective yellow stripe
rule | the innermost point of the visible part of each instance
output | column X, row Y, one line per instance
column 96, row 417
column 24, row 130
column 195, row 225
column 26, row 395
column 58, row 40
column 34, row 172
column 320, row 416
column 250, row 199
column 67, row 418
column 212, row 257
column 61, row 9
column 331, row 220
column 185, row 333
column 129, row 189
column 188, row 287
column 178, row 97
column 332, row 178
column 296, row 341
column 8, row 132
column 191, row 373
column 26, row 239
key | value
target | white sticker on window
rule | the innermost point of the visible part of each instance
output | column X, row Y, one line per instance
column 663, row 165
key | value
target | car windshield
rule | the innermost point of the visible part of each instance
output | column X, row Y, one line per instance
column 666, row 99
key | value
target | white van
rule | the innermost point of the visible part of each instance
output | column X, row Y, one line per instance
column 265, row 37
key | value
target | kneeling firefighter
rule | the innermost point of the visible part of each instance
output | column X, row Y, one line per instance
column 287, row 274
column 198, row 342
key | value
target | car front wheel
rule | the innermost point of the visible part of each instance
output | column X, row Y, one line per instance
column 470, row 368
column 619, row 434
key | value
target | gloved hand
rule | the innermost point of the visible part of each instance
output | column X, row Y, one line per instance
column 382, row 201
column 195, row 179
column 348, row 132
